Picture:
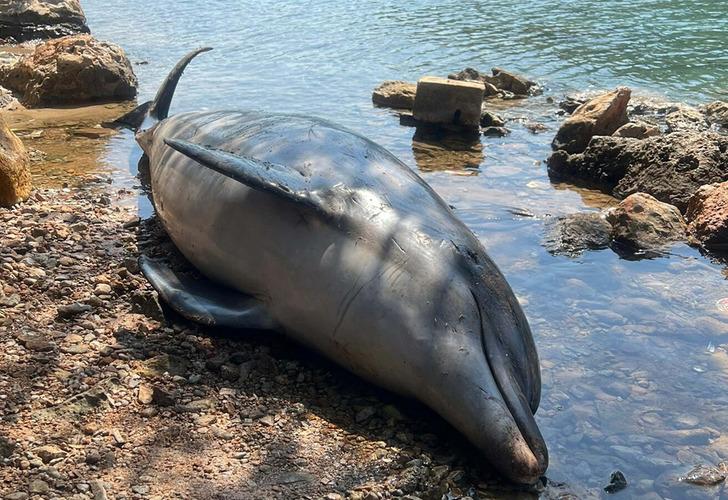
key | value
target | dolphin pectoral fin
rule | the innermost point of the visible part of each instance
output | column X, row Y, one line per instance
column 272, row 178
column 204, row 302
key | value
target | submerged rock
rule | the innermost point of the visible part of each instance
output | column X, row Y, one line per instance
column 670, row 167
column 641, row 221
column 15, row 181
column 395, row 94
column 617, row 482
column 602, row 115
column 703, row 475
column 22, row 20
column 574, row 233
column 637, row 130
column 488, row 119
column 448, row 102
column 73, row 69
column 708, row 216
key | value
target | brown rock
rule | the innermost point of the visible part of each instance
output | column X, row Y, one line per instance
column 602, row 115
column 708, row 216
column 641, row 221
column 395, row 94
column 717, row 112
column 49, row 452
column 448, row 102
column 73, row 69
column 511, row 82
column 500, row 80
column 670, row 167
column 686, row 118
column 15, row 181
column 637, row 130
column 22, row 20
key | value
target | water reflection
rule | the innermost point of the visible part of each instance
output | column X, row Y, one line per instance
column 459, row 152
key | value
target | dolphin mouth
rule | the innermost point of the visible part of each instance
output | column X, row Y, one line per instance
column 529, row 456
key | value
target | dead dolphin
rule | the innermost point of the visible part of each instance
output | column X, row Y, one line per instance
column 303, row 226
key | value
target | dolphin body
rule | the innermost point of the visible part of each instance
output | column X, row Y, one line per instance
column 305, row 227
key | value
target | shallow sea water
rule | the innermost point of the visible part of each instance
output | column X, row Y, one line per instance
column 633, row 352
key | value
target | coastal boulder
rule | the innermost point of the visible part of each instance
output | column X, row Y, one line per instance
column 670, row 167
column 73, row 69
column 637, row 130
column 602, row 115
column 15, row 182
column 448, row 102
column 708, row 216
column 395, row 94
column 641, row 221
column 22, row 20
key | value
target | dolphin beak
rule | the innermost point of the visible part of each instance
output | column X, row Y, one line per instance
column 513, row 378
column 488, row 387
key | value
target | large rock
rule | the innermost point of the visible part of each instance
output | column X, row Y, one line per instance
column 708, row 216
column 73, row 69
column 15, row 182
column 670, row 167
column 448, row 102
column 572, row 234
column 602, row 115
column 22, row 20
column 395, row 94
column 641, row 221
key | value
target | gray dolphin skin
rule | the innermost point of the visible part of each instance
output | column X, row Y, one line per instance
column 302, row 226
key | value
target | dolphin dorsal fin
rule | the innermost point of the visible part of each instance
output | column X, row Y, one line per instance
column 160, row 106
column 279, row 180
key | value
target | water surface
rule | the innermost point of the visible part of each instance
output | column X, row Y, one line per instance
column 633, row 352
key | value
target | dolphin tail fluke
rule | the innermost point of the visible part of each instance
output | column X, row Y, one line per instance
column 204, row 302
column 272, row 178
column 150, row 112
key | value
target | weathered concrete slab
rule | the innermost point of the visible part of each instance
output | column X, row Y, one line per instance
column 449, row 102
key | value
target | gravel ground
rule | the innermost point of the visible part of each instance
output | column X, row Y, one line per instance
column 105, row 394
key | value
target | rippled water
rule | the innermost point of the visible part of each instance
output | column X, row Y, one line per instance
column 633, row 352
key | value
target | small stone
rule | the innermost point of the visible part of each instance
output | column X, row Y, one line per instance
column 72, row 310
column 102, row 289
column 198, row 405
column 18, row 495
column 230, row 372
column 38, row 487
column 488, row 119
column 98, row 489
column 49, row 452
column 495, row 131
column 140, row 489
column 617, row 482
column 267, row 420
column 641, row 221
column 144, row 395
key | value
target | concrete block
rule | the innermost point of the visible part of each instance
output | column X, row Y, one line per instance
column 448, row 102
